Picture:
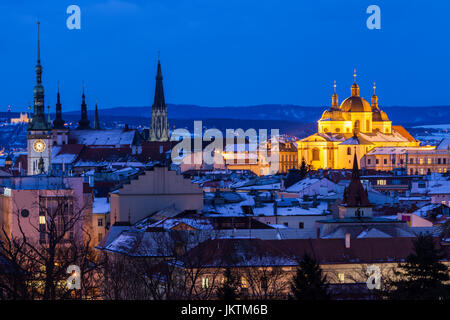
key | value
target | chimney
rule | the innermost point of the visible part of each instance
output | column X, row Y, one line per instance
column 347, row 240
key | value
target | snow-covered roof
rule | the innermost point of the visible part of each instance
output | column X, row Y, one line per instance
column 399, row 150
column 196, row 223
column 101, row 206
column 110, row 137
column 302, row 184
column 422, row 212
column 440, row 187
column 444, row 144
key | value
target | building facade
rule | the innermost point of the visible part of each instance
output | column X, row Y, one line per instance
column 354, row 126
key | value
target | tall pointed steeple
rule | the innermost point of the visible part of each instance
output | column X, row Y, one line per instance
column 96, row 119
column 38, row 121
column 159, row 128
column 58, row 123
column 355, row 195
column 84, row 122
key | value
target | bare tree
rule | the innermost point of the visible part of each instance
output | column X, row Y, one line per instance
column 63, row 241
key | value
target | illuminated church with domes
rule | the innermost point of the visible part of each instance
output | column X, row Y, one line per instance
column 354, row 126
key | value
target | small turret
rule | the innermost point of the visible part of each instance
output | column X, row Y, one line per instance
column 334, row 98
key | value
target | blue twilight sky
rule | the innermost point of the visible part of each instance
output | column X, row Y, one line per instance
column 226, row 52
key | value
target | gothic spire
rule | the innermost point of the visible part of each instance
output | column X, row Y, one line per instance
column 355, row 170
column 159, row 91
column 58, row 123
column 38, row 122
column 96, row 119
column 84, row 122
column 354, row 194
column 159, row 128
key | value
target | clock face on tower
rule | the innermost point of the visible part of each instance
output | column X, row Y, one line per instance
column 39, row 145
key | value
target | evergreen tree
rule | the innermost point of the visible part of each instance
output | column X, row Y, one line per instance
column 229, row 289
column 295, row 175
column 309, row 283
column 423, row 276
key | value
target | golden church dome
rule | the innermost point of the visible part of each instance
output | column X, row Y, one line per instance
column 355, row 104
column 332, row 115
column 378, row 115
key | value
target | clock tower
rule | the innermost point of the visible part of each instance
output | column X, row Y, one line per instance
column 39, row 130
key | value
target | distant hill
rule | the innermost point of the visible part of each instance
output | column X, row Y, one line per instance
column 407, row 116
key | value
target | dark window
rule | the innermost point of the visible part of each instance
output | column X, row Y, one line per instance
column 349, row 150
column 286, row 224
column 301, row 225
column 368, row 161
column 100, row 222
column 385, row 161
column 25, row 213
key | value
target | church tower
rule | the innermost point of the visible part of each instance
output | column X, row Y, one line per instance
column 59, row 132
column 96, row 118
column 83, row 123
column 159, row 128
column 38, row 131
column 355, row 202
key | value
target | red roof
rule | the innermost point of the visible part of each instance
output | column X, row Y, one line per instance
column 223, row 252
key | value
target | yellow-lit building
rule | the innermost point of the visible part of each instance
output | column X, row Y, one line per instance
column 22, row 119
column 353, row 126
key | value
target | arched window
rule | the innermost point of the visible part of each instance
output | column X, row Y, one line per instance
column 356, row 124
column 316, row 154
column 349, row 151
column 338, row 130
column 367, row 125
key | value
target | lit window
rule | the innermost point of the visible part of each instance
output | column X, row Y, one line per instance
column 244, row 283
column 41, row 219
column 381, row 182
column 429, row 160
column 421, row 161
column 205, row 282
column 341, row 277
